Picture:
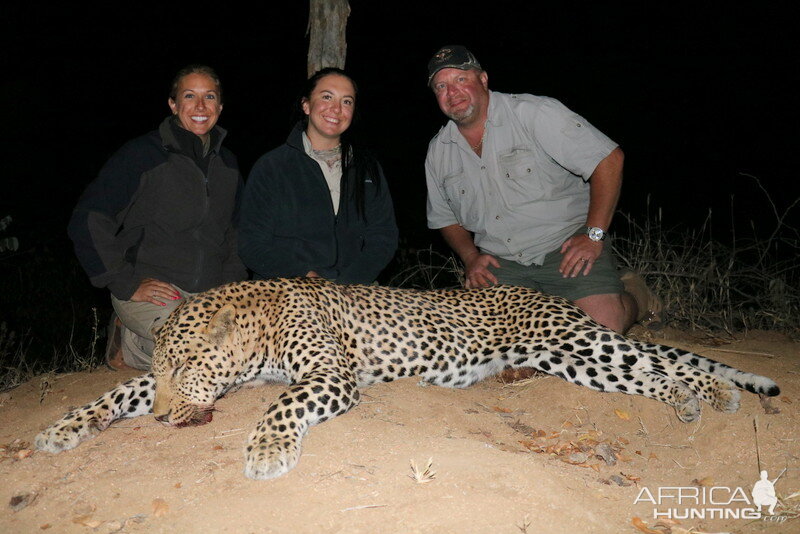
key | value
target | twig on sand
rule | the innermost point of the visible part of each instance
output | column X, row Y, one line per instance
column 746, row 352
column 363, row 506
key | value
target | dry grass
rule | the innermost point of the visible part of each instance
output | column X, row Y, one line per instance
column 422, row 476
column 18, row 365
column 751, row 283
column 427, row 269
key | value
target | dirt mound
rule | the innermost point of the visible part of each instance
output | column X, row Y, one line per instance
column 540, row 455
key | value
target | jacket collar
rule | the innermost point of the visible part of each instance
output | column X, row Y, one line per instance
column 295, row 139
column 170, row 142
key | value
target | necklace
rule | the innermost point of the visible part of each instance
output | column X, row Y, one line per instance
column 483, row 138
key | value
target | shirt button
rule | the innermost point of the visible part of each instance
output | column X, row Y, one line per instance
column 462, row 191
column 483, row 167
column 528, row 170
column 519, row 255
column 508, row 240
column 508, row 175
column 497, row 217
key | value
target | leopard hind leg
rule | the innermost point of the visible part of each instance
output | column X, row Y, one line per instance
column 623, row 379
column 760, row 385
column 131, row 399
column 721, row 393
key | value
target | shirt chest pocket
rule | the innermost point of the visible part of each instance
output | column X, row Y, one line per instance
column 462, row 199
column 519, row 173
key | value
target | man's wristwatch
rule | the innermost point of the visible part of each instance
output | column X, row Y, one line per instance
column 595, row 233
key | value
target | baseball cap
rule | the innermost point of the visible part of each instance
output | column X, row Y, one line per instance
column 452, row 57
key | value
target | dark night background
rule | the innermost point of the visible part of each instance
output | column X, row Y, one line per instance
column 694, row 95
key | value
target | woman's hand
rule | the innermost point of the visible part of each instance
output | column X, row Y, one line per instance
column 155, row 292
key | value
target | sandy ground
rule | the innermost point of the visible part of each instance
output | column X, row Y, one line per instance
column 526, row 457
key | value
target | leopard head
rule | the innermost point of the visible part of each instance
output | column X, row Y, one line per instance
column 197, row 357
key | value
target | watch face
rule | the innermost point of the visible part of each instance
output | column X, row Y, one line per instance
column 596, row 234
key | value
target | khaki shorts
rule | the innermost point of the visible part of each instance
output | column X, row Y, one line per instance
column 602, row 280
column 138, row 320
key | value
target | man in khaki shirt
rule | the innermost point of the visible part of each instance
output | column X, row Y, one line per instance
column 524, row 191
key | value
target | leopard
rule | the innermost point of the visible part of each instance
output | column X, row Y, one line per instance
column 327, row 342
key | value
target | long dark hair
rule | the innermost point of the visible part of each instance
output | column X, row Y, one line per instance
column 358, row 165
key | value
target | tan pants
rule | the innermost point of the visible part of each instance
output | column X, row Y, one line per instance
column 138, row 321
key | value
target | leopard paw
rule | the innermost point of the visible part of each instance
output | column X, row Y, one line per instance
column 68, row 433
column 724, row 396
column 266, row 459
column 686, row 403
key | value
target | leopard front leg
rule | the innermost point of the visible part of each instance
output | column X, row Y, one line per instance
column 274, row 447
column 131, row 399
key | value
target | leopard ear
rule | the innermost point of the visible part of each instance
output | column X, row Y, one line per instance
column 222, row 324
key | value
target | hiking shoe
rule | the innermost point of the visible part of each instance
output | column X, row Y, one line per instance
column 651, row 308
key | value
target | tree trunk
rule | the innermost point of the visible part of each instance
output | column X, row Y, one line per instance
column 327, row 21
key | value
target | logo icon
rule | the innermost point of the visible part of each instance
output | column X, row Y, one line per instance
column 764, row 493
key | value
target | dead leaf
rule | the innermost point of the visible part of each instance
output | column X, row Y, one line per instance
column 623, row 440
column 667, row 522
column 18, row 502
column 706, row 481
column 766, row 403
column 622, row 415
column 619, row 481
column 86, row 521
column 45, row 526
column 623, row 458
column 652, row 456
column 523, row 428
column 638, row 452
column 24, row 453
column 786, row 399
column 642, row 526
column 217, row 448
column 577, row 458
column 501, row 410
column 84, row 509
column 160, row 507
column 632, row 478
column 178, row 485
column 567, row 424
column 606, row 453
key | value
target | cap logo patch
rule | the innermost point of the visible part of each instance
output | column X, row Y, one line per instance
column 443, row 54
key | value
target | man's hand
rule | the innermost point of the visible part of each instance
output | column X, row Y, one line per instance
column 478, row 273
column 580, row 253
column 312, row 274
column 155, row 292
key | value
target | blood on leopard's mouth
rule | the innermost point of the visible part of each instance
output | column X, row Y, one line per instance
column 200, row 416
